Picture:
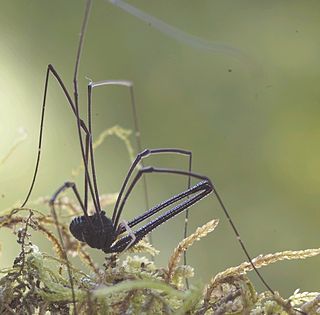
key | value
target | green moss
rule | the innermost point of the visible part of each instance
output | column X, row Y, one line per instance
column 38, row 283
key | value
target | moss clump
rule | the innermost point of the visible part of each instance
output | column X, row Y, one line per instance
column 38, row 283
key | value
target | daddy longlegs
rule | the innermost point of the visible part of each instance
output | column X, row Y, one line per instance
column 98, row 230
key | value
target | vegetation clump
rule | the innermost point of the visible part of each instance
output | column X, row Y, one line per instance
column 130, row 283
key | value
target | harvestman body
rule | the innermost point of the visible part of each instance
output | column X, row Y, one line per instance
column 98, row 230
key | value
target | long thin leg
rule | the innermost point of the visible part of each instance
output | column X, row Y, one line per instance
column 173, row 171
column 161, row 206
column 80, row 124
column 85, row 197
column 117, row 211
column 153, row 170
column 90, row 154
column 139, row 147
column 92, row 85
column 65, row 256
column 129, row 85
column 185, row 234
column 52, row 71
column 73, row 186
column 65, row 186
column 240, row 241
column 76, row 103
column 74, row 107
column 186, row 222
column 204, row 188
column 55, row 217
column 122, row 83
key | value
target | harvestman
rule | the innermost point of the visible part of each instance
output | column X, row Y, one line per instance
column 98, row 230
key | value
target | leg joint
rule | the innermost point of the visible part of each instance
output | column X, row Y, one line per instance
column 69, row 184
column 144, row 153
column 147, row 169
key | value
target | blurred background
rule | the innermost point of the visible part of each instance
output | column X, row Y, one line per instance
column 250, row 114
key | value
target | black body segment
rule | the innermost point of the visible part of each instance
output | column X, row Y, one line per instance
column 89, row 230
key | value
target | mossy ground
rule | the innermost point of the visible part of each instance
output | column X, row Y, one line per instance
column 38, row 283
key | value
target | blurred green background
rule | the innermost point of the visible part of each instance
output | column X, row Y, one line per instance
column 252, row 123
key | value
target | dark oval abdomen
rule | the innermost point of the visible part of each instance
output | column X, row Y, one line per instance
column 98, row 233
